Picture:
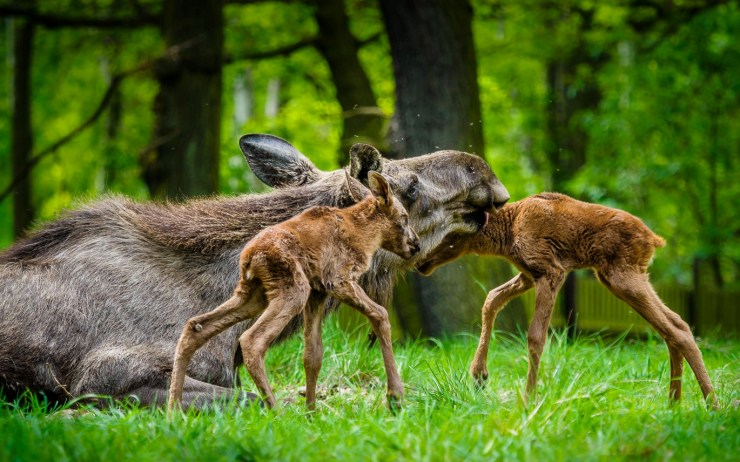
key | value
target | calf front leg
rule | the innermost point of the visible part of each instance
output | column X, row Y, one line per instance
column 352, row 294
column 547, row 288
column 495, row 302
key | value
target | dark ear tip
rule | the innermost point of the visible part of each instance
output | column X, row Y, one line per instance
column 358, row 149
column 364, row 158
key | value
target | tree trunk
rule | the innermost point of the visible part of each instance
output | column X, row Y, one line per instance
column 22, row 137
column 570, row 95
column 363, row 120
column 184, row 160
column 437, row 107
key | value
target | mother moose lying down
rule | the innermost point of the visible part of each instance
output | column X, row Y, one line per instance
column 95, row 301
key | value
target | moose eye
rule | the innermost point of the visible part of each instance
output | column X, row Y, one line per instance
column 412, row 193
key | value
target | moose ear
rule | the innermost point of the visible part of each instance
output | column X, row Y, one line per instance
column 354, row 188
column 380, row 188
column 364, row 158
column 276, row 162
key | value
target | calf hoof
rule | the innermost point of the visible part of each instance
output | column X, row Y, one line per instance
column 480, row 378
column 395, row 402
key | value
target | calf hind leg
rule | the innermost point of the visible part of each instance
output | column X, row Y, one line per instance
column 199, row 329
column 313, row 351
column 635, row 289
column 285, row 303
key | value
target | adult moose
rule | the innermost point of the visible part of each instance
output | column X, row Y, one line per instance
column 95, row 301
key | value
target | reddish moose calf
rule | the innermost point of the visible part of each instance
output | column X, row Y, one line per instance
column 291, row 268
column 550, row 234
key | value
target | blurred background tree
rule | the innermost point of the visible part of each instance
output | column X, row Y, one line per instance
column 630, row 103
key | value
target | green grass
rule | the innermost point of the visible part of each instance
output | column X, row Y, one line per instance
column 599, row 399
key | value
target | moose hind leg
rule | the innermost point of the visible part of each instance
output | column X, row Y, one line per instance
column 141, row 372
column 635, row 289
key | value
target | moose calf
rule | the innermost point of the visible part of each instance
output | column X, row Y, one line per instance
column 550, row 234
column 292, row 267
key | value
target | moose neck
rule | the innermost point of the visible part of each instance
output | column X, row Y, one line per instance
column 214, row 225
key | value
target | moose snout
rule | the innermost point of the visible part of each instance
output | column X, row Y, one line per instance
column 500, row 196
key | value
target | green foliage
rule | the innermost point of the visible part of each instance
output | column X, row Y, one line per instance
column 598, row 399
column 662, row 143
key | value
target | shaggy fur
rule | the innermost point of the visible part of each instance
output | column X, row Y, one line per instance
column 289, row 269
column 95, row 301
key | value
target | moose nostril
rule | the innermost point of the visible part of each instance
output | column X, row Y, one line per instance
column 499, row 204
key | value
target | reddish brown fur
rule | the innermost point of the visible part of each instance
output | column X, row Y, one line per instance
column 293, row 267
column 548, row 235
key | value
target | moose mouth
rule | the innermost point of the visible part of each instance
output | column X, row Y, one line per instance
column 478, row 218
column 424, row 267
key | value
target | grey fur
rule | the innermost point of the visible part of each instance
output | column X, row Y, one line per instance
column 94, row 302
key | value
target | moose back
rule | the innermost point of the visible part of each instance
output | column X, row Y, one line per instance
column 95, row 301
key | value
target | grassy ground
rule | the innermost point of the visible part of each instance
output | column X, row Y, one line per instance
column 599, row 399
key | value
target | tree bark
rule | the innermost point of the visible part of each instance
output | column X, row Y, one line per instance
column 185, row 157
column 22, row 135
column 363, row 121
column 570, row 95
column 438, row 107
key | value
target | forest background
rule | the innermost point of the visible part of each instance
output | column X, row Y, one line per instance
column 628, row 103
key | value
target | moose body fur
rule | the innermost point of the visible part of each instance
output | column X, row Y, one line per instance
column 290, row 269
column 546, row 236
column 95, row 301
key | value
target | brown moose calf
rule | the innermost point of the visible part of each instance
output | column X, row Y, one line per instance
column 291, row 268
column 550, row 234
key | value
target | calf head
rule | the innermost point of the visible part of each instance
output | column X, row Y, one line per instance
column 397, row 235
column 444, row 192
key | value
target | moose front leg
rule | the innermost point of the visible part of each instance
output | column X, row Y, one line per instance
column 353, row 295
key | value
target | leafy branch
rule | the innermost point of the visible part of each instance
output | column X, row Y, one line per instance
column 102, row 105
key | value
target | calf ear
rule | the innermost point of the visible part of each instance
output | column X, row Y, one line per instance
column 380, row 188
column 276, row 162
column 364, row 158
